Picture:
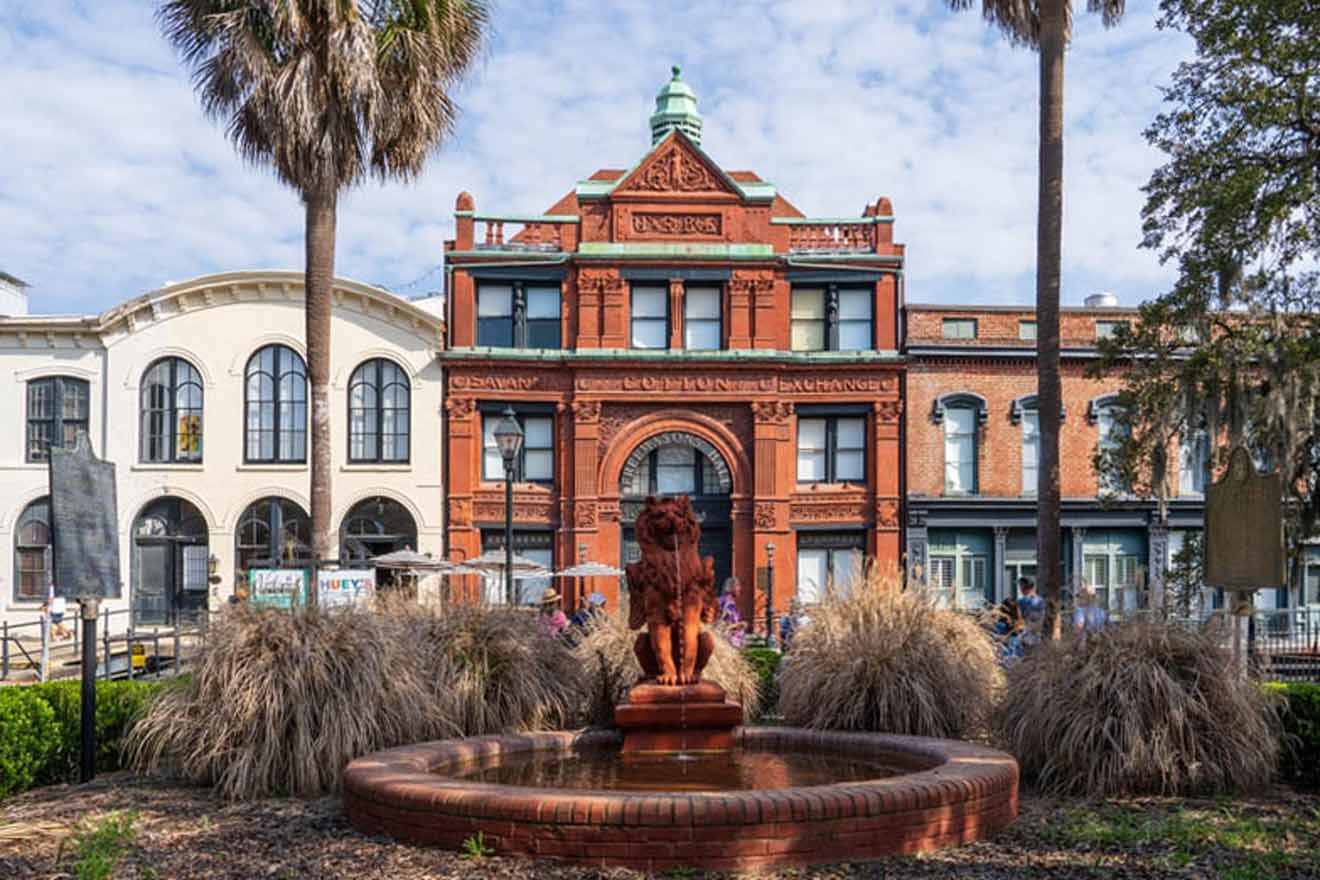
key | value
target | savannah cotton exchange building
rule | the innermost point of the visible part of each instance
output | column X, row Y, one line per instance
column 678, row 328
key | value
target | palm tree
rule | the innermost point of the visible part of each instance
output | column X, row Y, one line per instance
column 1046, row 25
column 327, row 93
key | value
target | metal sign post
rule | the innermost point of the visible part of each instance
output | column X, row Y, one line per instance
column 85, row 546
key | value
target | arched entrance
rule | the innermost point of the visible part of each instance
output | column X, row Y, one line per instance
column 170, row 563
column 679, row 463
column 373, row 527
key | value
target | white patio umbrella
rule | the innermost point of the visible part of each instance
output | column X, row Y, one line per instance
column 411, row 559
column 492, row 562
column 590, row 569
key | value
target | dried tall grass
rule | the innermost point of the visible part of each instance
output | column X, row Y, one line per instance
column 887, row 660
column 279, row 702
column 604, row 652
column 1143, row 708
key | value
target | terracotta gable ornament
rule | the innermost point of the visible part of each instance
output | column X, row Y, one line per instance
column 675, row 168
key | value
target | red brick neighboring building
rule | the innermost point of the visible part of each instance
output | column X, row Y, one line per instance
column 970, row 447
column 678, row 328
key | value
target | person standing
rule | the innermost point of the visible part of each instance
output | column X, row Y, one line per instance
column 552, row 619
column 1031, row 607
column 1088, row 617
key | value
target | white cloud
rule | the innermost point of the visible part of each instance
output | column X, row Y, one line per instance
column 114, row 182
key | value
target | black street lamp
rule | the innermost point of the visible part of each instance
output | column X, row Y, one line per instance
column 509, row 439
column 770, row 594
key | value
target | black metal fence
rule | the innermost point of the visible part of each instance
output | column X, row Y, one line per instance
column 1284, row 645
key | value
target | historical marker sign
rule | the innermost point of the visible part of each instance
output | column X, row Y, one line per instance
column 84, row 522
column 1244, row 528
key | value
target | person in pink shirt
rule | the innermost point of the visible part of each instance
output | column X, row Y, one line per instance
column 552, row 620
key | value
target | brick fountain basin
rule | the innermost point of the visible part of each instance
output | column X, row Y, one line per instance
column 928, row 793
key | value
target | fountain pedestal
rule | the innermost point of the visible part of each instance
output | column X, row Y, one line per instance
column 677, row 718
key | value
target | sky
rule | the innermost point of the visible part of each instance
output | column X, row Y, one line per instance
column 113, row 182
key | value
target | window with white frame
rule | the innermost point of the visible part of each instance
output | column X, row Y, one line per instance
column 1193, row 463
column 1027, row 331
column 650, row 316
column 1109, row 329
column 831, row 449
column 832, row 318
column 958, row 328
column 807, row 316
column 534, row 546
column 828, row 563
column 1111, row 435
column 518, row 315
column 1311, row 577
column 960, row 570
column 536, row 460
column 960, row 450
column 702, row 324
column 1030, row 450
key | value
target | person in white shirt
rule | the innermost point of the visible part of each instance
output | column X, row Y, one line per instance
column 56, row 608
column 1088, row 617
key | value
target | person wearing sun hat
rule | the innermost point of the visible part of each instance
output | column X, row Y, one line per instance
column 552, row 620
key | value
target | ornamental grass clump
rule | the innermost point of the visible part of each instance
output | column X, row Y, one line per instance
column 886, row 660
column 1146, row 707
column 279, row 702
column 604, row 652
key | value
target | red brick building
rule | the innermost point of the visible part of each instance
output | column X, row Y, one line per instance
column 971, row 440
column 678, row 328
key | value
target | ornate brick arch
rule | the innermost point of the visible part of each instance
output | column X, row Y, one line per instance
column 707, row 433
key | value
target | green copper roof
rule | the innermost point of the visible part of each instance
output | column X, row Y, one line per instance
column 675, row 107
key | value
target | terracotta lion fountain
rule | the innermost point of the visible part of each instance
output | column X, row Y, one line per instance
column 671, row 591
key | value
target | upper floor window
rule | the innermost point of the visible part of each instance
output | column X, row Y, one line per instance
column 518, row 315
column 1030, row 450
column 171, row 401
column 32, row 564
column 674, row 469
column 959, row 328
column 650, row 317
column 536, row 459
column 960, row 450
column 1106, row 329
column 1194, row 463
column 832, row 318
column 703, row 329
column 58, row 408
column 275, row 406
column 1027, row 331
column 831, row 449
column 827, row 564
column 378, row 412
column 1107, row 415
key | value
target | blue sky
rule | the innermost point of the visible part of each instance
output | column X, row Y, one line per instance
column 114, row 183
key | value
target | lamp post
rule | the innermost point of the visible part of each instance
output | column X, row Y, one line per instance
column 770, row 594
column 509, row 438
column 582, row 582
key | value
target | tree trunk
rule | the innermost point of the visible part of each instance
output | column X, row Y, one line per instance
column 320, row 252
column 1049, row 233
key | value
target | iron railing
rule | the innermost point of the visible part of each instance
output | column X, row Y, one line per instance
column 163, row 650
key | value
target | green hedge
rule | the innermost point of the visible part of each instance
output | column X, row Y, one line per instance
column 28, row 737
column 1300, row 763
column 41, row 729
column 766, row 663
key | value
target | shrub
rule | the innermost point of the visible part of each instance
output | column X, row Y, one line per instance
column 604, row 653
column 28, row 736
column 280, row 702
column 1299, row 762
column 1145, row 708
column 887, row 660
column 118, row 705
column 765, row 662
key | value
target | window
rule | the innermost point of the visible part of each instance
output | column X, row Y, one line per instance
column 676, row 469
column 535, row 547
column 1113, row 561
column 275, row 400
column 650, row 317
column 32, row 564
column 702, row 328
column 1112, row 435
column 171, row 401
column 518, row 315
column 536, row 460
column 1030, row 451
column 1027, row 331
column 831, row 449
column 1107, row 329
column 57, row 409
column 1311, row 577
column 272, row 531
column 831, row 319
column 378, row 413
column 827, row 564
column 1193, row 463
column 960, row 567
column 960, row 450
column 959, row 328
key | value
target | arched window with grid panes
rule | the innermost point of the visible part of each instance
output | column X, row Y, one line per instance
column 379, row 397
column 32, row 564
column 275, row 406
column 171, row 413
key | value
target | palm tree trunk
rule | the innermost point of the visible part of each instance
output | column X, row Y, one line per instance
column 320, row 253
column 1049, row 233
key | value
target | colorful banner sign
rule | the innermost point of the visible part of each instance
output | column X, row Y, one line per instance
column 277, row 587
column 345, row 588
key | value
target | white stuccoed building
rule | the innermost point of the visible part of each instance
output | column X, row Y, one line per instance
column 197, row 392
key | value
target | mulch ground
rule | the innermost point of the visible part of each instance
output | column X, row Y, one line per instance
column 181, row 831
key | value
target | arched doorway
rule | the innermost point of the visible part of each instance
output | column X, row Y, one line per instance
column 272, row 533
column 170, row 566
column 678, row 463
column 375, row 526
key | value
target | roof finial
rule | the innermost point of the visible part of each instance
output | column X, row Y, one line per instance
column 675, row 107
column 676, row 71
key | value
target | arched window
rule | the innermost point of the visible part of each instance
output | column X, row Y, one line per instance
column 57, row 409
column 171, row 403
column 275, row 405
column 378, row 413
column 961, row 416
column 1105, row 413
column 32, row 569
column 272, row 531
column 374, row 527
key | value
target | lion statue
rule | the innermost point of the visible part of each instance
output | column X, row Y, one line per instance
column 672, row 590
